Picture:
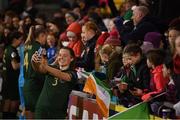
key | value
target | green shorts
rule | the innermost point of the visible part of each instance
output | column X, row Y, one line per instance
column 10, row 90
column 31, row 99
column 49, row 113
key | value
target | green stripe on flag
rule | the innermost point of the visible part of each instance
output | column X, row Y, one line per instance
column 86, row 73
column 139, row 111
column 102, row 84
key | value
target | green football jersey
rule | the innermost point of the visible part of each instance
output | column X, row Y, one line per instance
column 55, row 95
column 33, row 79
column 10, row 74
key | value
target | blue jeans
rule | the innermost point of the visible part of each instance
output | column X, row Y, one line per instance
column 21, row 102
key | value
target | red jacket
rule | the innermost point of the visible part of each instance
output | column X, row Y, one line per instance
column 77, row 47
column 158, row 82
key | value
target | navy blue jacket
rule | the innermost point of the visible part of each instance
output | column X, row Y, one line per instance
column 139, row 31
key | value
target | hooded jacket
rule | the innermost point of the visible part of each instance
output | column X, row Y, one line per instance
column 76, row 45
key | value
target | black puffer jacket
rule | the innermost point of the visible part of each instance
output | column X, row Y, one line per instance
column 88, row 58
column 141, row 78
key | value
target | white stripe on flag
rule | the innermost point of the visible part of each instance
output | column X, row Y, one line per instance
column 102, row 93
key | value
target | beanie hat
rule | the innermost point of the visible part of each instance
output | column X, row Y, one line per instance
column 154, row 38
column 118, row 21
column 63, row 37
column 113, row 39
column 86, row 18
column 102, row 38
column 75, row 16
column 74, row 27
column 146, row 46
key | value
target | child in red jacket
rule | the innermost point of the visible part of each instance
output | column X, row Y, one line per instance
column 74, row 36
column 155, row 59
column 158, row 82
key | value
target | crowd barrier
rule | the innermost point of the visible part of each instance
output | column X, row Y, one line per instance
column 82, row 106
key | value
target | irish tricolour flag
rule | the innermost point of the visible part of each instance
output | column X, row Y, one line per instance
column 97, row 87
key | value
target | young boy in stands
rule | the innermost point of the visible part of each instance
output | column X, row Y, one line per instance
column 139, row 76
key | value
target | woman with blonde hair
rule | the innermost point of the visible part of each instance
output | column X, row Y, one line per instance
column 110, row 60
column 90, row 33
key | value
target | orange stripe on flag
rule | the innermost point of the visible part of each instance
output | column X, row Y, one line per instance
column 90, row 87
column 103, row 108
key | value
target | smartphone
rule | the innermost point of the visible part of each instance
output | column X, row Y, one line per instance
column 40, row 50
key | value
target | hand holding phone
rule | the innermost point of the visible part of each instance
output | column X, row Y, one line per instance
column 136, row 91
column 40, row 51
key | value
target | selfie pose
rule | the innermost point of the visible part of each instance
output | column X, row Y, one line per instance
column 59, row 82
